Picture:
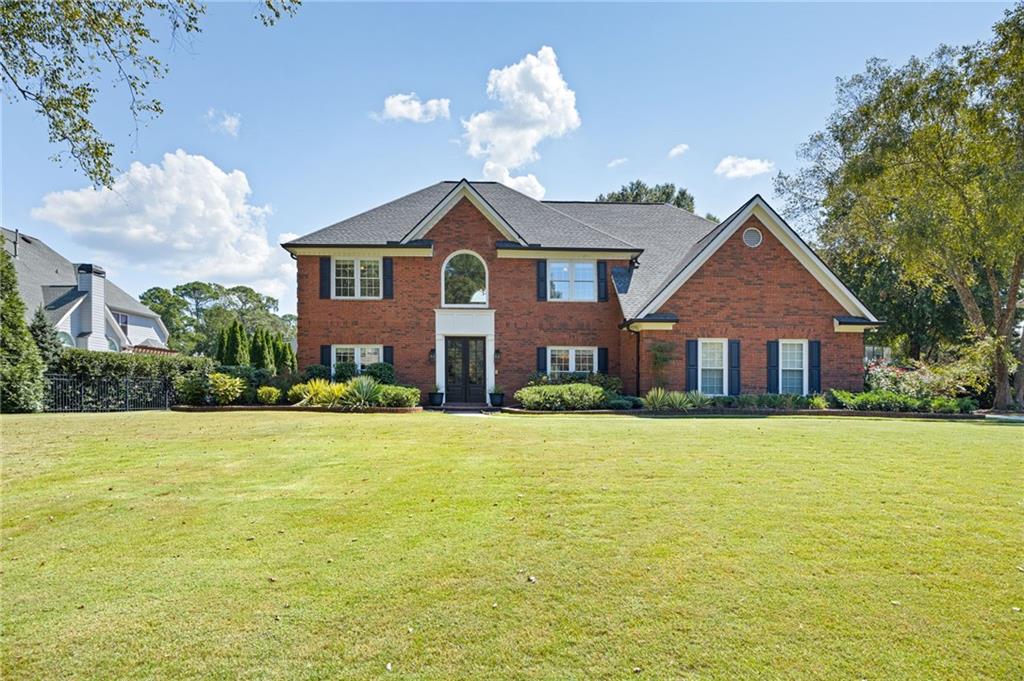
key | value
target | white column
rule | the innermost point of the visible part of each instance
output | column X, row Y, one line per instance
column 489, row 353
column 439, row 363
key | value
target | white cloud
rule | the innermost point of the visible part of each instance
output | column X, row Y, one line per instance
column 410, row 108
column 615, row 162
column 183, row 217
column 222, row 121
column 678, row 150
column 535, row 104
column 734, row 167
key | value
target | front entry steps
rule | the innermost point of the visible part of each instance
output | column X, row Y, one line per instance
column 464, row 408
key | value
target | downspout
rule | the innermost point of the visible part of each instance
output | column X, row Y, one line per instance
column 637, row 363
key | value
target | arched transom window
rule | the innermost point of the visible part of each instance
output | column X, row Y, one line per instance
column 464, row 279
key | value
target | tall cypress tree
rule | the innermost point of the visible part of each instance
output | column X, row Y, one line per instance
column 46, row 339
column 222, row 345
column 236, row 346
column 21, row 367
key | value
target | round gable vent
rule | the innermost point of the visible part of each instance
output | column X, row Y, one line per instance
column 752, row 237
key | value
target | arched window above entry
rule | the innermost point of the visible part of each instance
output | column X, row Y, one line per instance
column 464, row 280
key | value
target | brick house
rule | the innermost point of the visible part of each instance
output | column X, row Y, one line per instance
column 466, row 285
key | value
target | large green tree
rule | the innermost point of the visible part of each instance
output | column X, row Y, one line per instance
column 639, row 191
column 59, row 55
column 922, row 165
column 174, row 311
column 21, row 367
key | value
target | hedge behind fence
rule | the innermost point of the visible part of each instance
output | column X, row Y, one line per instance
column 89, row 363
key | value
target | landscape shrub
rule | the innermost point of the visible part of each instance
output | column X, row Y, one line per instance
column 191, row 388
column 561, row 397
column 361, row 392
column 254, row 378
column 317, row 392
column 86, row 363
column 817, row 402
column 618, row 402
column 343, row 371
column 398, row 396
column 268, row 394
column 888, row 400
column 317, row 371
column 606, row 381
column 678, row 401
column 917, row 380
column 383, row 372
column 698, row 400
column 225, row 389
column 656, row 399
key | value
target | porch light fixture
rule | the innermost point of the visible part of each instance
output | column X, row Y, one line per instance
column 497, row 355
column 432, row 355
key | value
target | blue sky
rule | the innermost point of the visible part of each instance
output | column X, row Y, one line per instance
column 283, row 130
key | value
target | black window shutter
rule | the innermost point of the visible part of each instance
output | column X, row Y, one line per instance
column 325, row 355
column 734, row 367
column 325, row 276
column 542, row 280
column 602, row 360
column 814, row 366
column 389, row 355
column 542, row 359
column 388, row 268
column 602, row 281
column 691, row 364
column 773, row 366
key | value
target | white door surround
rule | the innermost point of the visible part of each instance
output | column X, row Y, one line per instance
column 463, row 322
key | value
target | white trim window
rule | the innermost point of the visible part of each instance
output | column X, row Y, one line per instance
column 713, row 366
column 357, row 278
column 572, row 280
column 122, row 321
column 793, row 367
column 464, row 280
column 360, row 355
column 564, row 360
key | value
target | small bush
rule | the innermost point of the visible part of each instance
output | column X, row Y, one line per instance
column 225, row 389
column 966, row 405
column 618, row 403
column 678, row 401
column 191, row 388
column 383, row 372
column 569, row 397
column 317, row 393
column 817, row 402
column 656, row 399
column 398, row 396
column 317, row 371
column 606, row 381
column 344, row 372
column 699, row 400
column 746, row 401
column 268, row 394
column 362, row 392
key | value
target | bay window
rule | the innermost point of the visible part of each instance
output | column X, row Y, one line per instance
column 357, row 278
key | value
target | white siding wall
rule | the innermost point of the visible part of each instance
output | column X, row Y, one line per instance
column 144, row 328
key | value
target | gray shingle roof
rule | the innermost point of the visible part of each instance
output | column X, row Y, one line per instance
column 668, row 236
column 47, row 278
column 535, row 221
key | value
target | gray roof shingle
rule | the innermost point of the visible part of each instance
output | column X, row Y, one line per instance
column 48, row 279
column 668, row 236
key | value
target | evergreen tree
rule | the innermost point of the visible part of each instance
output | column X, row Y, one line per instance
column 46, row 338
column 222, row 345
column 21, row 367
column 236, row 347
column 262, row 353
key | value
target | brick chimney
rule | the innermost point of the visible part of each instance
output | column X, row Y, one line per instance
column 92, row 280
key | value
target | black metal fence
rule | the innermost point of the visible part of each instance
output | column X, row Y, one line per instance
column 87, row 393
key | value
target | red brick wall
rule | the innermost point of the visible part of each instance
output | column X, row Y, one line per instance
column 753, row 295
column 407, row 322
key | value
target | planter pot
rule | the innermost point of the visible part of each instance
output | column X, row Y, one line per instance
column 497, row 399
column 435, row 399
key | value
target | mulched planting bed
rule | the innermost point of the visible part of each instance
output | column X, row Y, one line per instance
column 286, row 407
column 752, row 412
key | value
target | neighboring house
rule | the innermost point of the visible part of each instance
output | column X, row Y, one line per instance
column 468, row 284
column 87, row 310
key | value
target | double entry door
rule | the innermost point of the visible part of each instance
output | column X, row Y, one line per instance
column 465, row 370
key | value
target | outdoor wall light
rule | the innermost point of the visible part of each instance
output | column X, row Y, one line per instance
column 497, row 355
column 432, row 355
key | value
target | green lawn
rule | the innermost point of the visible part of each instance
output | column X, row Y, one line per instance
column 269, row 545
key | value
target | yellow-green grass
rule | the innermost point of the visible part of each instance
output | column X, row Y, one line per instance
column 303, row 545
